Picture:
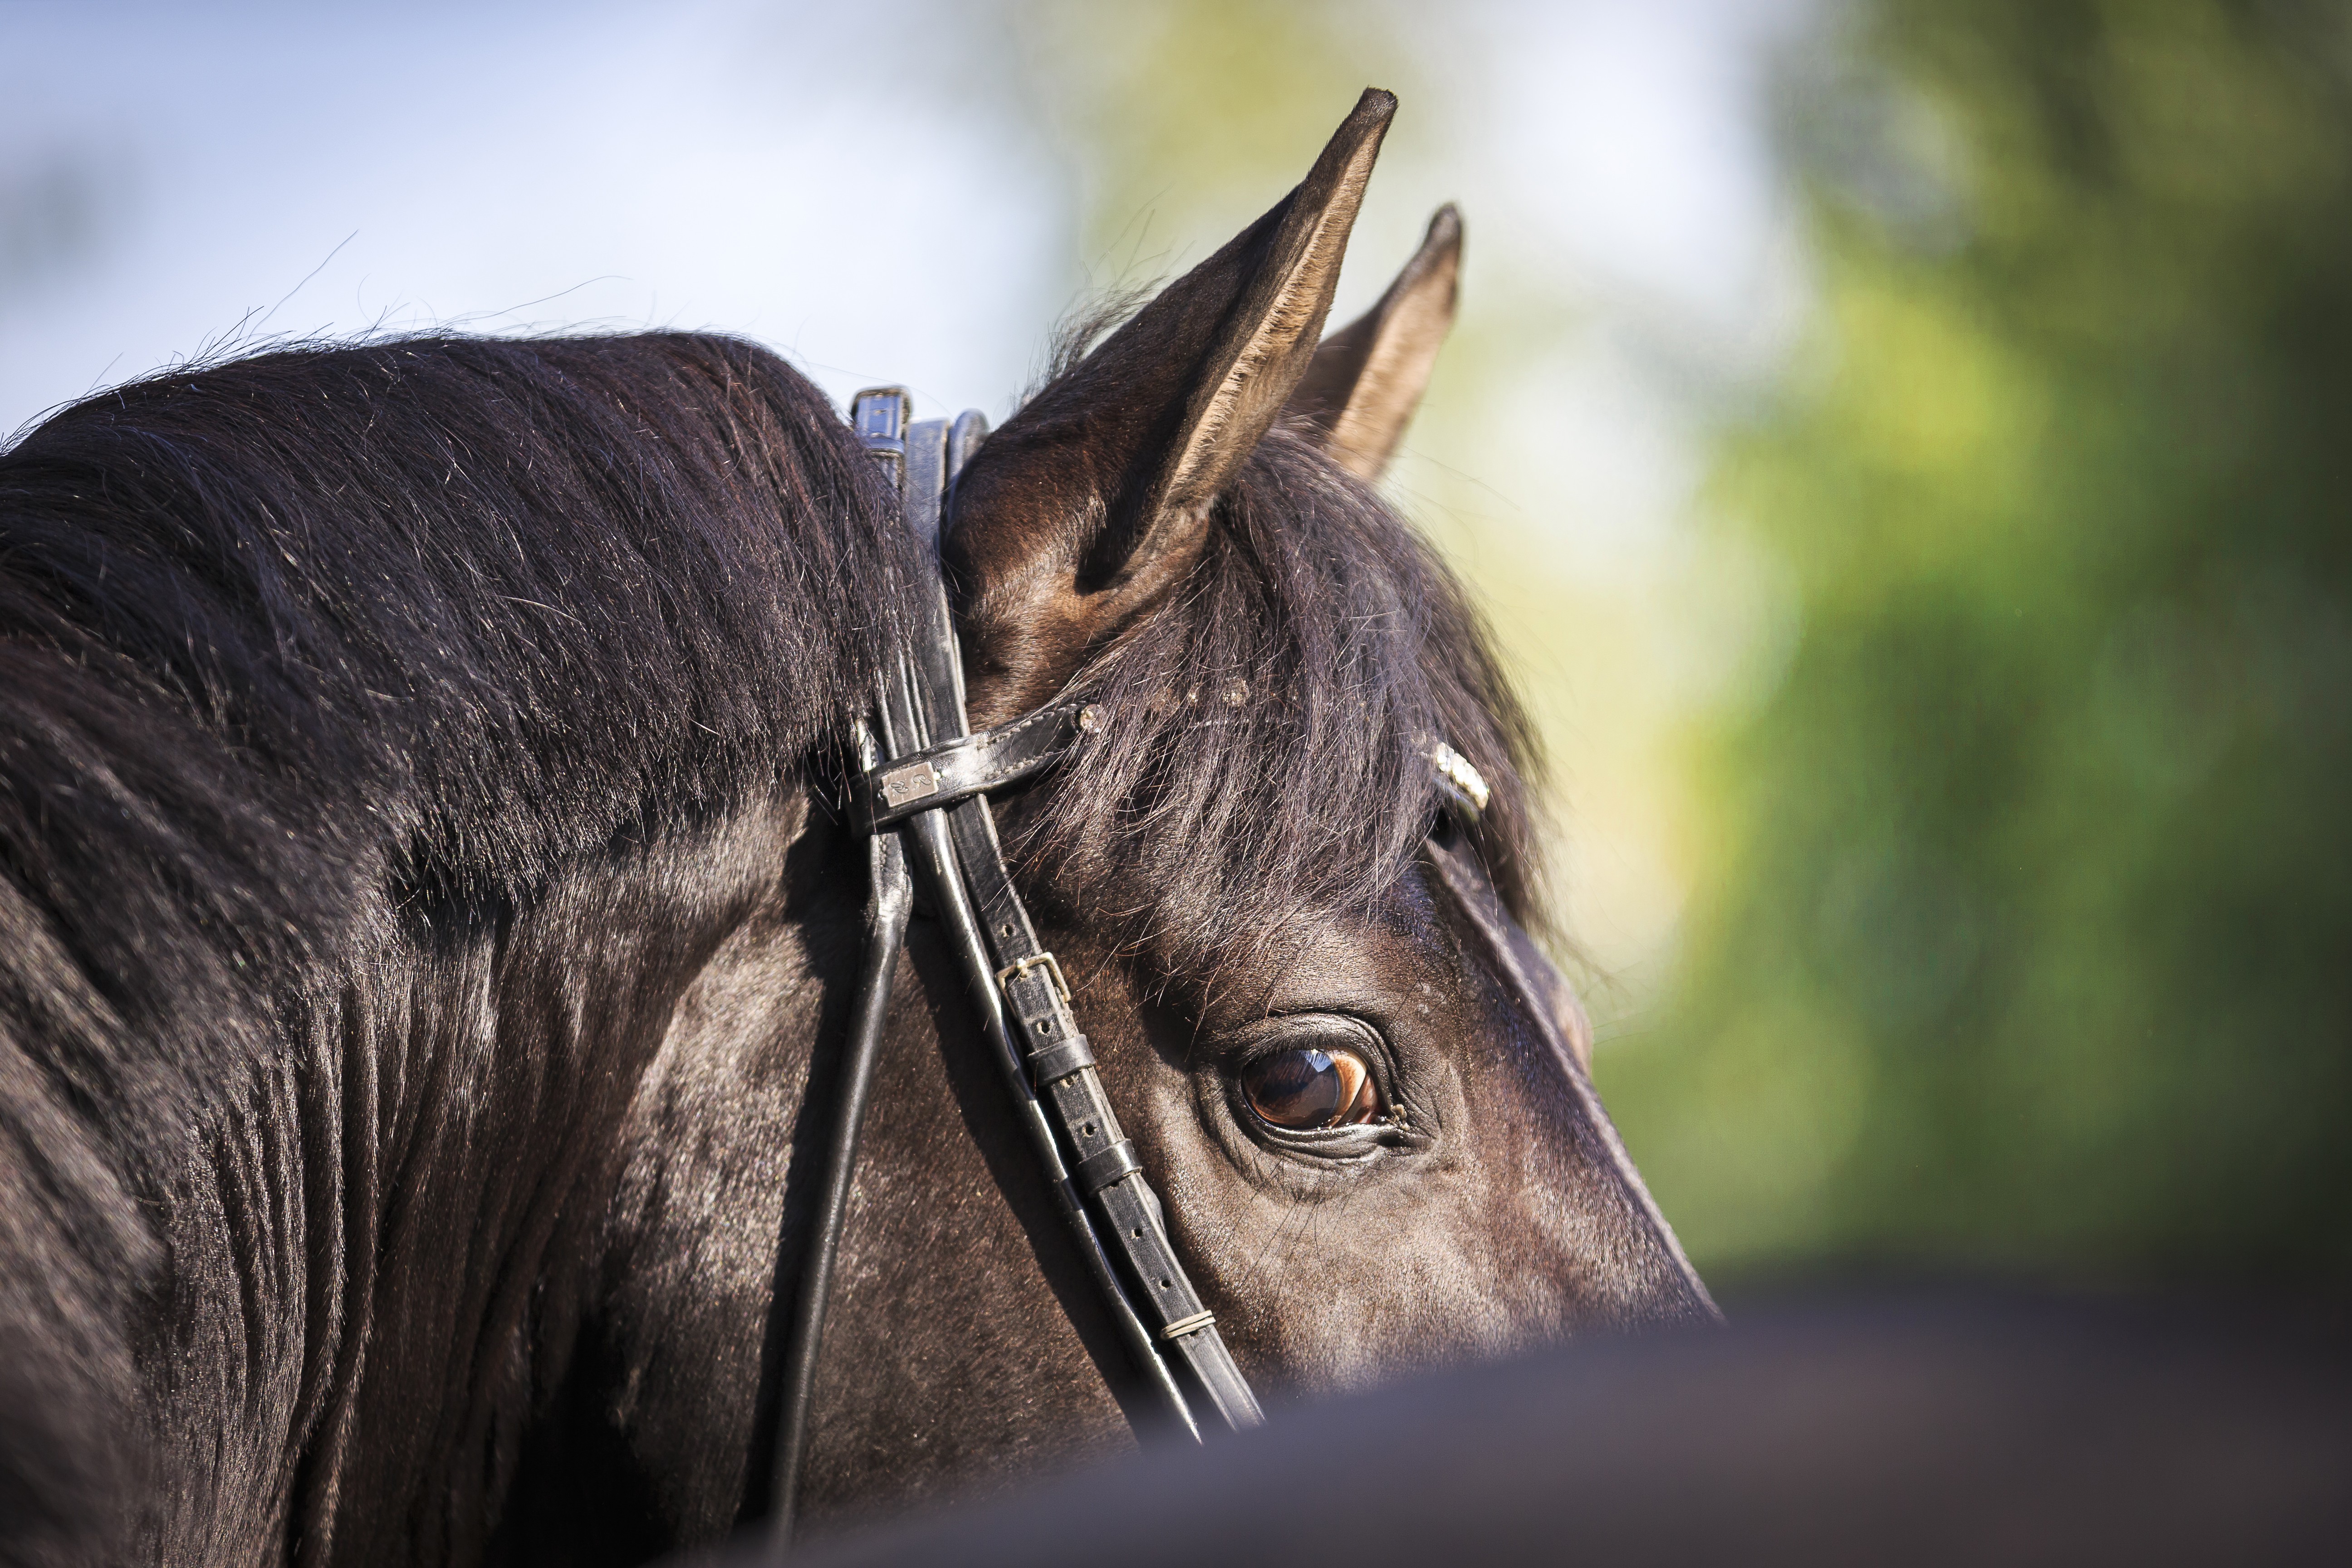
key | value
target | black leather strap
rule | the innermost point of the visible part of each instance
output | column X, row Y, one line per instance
column 968, row 766
column 889, row 900
column 928, row 791
column 1038, row 1011
column 1017, row 988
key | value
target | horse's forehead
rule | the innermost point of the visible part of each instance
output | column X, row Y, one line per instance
column 1390, row 949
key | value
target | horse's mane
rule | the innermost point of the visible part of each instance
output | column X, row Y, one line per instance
column 299, row 649
column 303, row 650
column 298, row 640
column 293, row 639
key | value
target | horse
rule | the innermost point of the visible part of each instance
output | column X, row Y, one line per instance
column 432, row 899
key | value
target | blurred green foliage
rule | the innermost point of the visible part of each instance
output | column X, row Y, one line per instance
column 2021, row 934
column 2024, row 936
column 1170, row 104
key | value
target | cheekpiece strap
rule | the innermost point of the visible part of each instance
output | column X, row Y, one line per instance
column 928, row 786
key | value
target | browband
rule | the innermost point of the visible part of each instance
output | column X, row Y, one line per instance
column 935, row 777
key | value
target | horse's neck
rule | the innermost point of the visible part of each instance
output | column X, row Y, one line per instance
column 393, row 1247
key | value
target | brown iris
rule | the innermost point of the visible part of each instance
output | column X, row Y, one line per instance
column 1311, row 1087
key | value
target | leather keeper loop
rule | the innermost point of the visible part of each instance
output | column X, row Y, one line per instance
column 1058, row 1062
column 1100, row 1169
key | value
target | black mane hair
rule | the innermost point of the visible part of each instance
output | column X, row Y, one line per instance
column 307, row 653
column 301, row 649
column 302, row 638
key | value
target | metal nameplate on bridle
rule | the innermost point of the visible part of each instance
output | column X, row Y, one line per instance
column 900, row 786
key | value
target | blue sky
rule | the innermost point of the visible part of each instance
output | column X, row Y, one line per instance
column 787, row 171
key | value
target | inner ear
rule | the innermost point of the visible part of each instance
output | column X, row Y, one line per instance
column 1095, row 498
column 1367, row 378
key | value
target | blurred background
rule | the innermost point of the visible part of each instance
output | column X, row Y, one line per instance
column 1901, row 446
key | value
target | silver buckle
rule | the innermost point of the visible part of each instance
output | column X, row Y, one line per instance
column 1046, row 961
column 879, row 415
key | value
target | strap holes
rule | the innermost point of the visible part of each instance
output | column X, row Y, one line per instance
column 1137, row 1233
column 1045, row 1026
column 1167, row 1285
column 1087, row 1131
column 1004, row 930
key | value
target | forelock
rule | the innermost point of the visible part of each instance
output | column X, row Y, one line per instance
column 1264, row 753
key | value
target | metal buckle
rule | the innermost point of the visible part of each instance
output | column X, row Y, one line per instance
column 1019, row 967
column 879, row 415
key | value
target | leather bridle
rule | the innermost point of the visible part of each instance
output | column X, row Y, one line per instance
column 922, row 803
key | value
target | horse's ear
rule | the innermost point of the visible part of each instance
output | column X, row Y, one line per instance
column 1368, row 377
column 1095, row 497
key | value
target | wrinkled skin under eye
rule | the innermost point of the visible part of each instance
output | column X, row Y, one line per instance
column 1311, row 1087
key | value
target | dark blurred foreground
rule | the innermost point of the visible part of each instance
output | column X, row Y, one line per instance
column 1922, row 1429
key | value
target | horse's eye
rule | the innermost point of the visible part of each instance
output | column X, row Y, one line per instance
column 1311, row 1087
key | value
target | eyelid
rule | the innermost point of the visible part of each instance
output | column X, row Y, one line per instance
column 1283, row 1031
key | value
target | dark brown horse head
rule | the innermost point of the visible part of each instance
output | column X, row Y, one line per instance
column 1359, row 1085
column 429, row 921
